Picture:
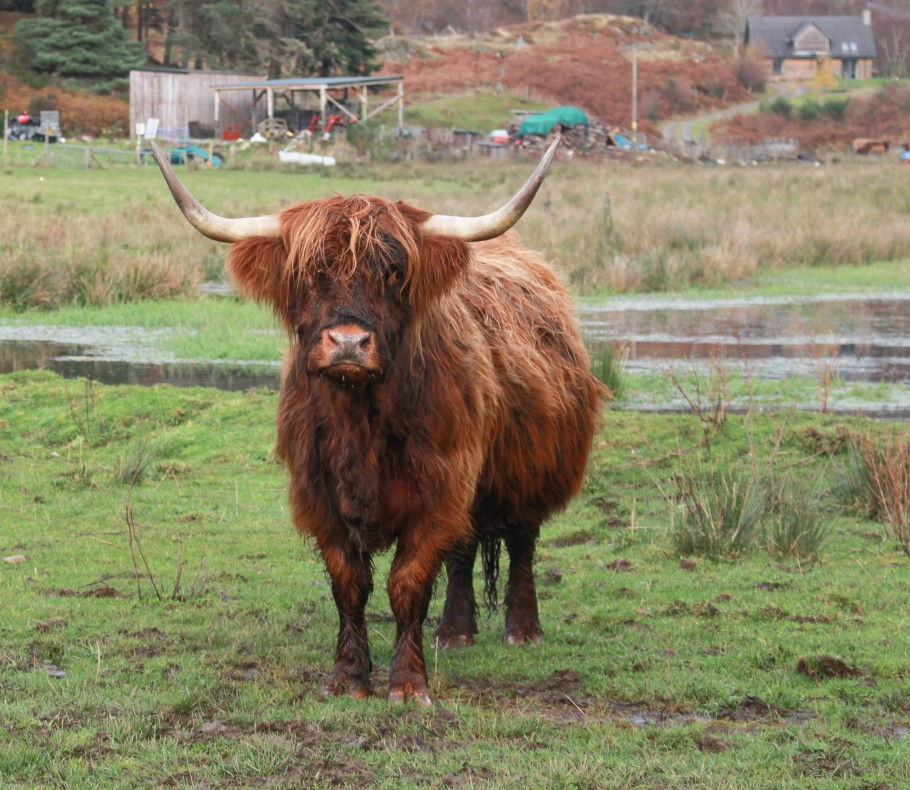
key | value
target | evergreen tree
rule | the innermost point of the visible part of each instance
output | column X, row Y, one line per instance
column 218, row 33
column 330, row 37
column 76, row 38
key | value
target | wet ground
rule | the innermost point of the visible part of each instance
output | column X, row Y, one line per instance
column 859, row 338
column 864, row 338
column 122, row 355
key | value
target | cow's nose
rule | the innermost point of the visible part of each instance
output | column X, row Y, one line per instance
column 349, row 343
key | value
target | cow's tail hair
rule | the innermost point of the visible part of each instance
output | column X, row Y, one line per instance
column 490, row 548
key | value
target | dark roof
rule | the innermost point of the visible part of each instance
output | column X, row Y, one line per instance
column 303, row 83
column 850, row 36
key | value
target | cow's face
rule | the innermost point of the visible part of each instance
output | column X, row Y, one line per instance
column 348, row 277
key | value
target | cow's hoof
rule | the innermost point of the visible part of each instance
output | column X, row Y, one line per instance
column 524, row 635
column 401, row 694
column 339, row 684
column 446, row 639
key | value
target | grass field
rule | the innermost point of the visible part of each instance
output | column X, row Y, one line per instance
column 610, row 227
column 163, row 624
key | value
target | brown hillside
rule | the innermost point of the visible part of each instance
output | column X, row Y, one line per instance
column 585, row 61
column 885, row 115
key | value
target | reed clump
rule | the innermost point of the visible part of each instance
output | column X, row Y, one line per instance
column 879, row 477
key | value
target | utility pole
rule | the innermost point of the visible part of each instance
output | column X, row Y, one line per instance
column 635, row 48
column 635, row 97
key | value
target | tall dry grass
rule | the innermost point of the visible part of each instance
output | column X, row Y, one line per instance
column 80, row 259
column 608, row 226
column 677, row 226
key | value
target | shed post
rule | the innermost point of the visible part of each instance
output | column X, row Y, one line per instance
column 400, row 105
column 322, row 103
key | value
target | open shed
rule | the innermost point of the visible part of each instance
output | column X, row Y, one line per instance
column 325, row 95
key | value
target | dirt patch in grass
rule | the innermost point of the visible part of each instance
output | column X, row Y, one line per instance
column 620, row 565
column 580, row 538
column 753, row 709
column 825, row 667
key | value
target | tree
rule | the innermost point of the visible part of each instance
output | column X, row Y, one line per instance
column 76, row 38
column 326, row 37
column 218, row 33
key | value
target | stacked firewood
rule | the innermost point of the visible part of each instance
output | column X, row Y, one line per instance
column 596, row 137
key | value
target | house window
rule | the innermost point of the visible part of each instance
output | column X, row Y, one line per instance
column 778, row 66
column 848, row 68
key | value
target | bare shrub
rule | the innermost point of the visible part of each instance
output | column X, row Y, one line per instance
column 707, row 395
column 679, row 96
column 888, row 470
column 751, row 74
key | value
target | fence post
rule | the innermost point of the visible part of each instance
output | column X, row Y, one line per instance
column 5, row 134
column 88, row 157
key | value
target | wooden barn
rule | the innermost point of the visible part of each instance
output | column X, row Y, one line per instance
column 794, row 47
column 183, row 101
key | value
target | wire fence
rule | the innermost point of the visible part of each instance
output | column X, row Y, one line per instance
column 67, row 155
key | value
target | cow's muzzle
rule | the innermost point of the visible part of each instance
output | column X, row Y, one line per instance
column 349, row 354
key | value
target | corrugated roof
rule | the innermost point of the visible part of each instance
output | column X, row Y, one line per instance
column 850, row 37
column 309, row 83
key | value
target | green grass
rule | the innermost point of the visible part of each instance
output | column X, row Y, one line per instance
column 653, row 673
column 480, row 110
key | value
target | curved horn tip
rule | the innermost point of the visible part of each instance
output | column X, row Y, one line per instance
column 208, row 224
column 494, row 224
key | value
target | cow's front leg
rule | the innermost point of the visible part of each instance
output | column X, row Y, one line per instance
column 414, row 569
column 352, row 583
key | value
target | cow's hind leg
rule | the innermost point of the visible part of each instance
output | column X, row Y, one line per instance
column 352, row 582
column 522, row 617
column 459, row 615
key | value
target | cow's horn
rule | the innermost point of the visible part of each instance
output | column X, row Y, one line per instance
column 498, row 222
column 207, row 223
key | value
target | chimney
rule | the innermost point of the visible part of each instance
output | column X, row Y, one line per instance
column 867, row 16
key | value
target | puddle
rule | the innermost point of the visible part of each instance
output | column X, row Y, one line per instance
column 860, row 337
column 122, row 355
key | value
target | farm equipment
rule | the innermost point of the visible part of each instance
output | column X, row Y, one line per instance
column 331, row 122
column 25, row 127
column 180, row 156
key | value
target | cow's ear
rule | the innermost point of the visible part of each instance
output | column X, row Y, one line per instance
column 442, row 262
column 258, row 265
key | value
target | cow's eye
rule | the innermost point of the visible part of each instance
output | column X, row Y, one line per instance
column 393, row 277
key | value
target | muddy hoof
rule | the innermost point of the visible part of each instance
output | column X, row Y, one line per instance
column 401, row 694
column 339, row 684
column 451, row 640
column 525, row 635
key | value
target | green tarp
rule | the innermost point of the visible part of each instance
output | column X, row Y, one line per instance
column 545, row 121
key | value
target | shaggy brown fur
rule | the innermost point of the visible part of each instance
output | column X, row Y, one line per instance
column 474, row 424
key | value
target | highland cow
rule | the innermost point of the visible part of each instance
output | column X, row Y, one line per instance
column 436, row 395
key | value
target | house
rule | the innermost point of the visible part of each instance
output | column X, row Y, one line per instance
column 795, row 46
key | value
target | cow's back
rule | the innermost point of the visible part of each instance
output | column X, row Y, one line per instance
column 549, row 401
